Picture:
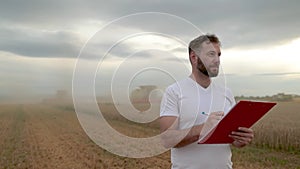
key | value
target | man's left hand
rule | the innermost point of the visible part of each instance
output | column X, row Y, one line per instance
column 242, row 137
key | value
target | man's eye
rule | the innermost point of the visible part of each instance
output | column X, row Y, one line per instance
column 211, row 54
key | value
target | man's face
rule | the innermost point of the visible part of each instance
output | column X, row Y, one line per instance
column 209, row 59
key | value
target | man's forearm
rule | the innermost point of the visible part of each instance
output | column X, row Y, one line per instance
column 181, row 138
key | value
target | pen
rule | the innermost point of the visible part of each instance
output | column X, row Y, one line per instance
column 205, row 113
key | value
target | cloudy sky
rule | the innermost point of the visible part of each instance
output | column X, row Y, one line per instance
column 130, row 43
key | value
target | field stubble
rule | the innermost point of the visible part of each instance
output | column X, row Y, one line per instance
column 50, row 136
column 280, row 129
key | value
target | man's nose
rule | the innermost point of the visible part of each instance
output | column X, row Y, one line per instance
column 216, row 59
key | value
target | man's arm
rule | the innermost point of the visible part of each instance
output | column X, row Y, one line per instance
column 173, row 137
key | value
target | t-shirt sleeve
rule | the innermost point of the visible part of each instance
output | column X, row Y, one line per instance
column 169, row 103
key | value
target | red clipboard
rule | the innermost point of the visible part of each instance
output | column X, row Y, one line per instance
column 243, row 114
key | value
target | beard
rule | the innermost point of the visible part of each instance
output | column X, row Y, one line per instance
column 201, row 67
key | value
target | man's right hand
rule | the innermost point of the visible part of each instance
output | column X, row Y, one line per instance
column 212, row 121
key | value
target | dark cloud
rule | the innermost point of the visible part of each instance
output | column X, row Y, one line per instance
column 44, row 12
column 38, row 43
column 105, row 50
column 240, row 24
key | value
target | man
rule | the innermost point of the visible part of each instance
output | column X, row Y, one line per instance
column 193, row 105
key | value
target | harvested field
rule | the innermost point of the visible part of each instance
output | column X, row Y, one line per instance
column 50, row 136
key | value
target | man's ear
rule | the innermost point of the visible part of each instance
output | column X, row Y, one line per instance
column 193, row 57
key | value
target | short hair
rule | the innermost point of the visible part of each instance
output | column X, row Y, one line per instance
column 197, row 42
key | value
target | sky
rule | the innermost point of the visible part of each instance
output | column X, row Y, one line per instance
column 119, row 45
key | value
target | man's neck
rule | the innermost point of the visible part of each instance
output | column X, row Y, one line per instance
column 201, row 79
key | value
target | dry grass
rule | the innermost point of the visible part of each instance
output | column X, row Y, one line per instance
column 49, row 136
column 280, row 128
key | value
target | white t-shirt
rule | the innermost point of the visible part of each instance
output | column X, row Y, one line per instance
column 191, row 103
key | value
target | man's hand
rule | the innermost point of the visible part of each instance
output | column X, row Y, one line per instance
column 242, row 137
column 211, row 122
column 214, row 118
